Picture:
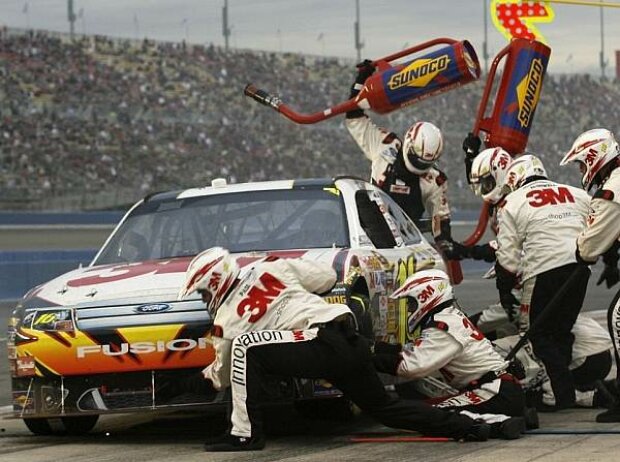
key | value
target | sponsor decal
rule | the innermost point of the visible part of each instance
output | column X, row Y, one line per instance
column 419, row 72
column 400, row 189
column 258, row 300
column 528, row 92
column 240, row 348
column 335, row 299
column 25, row 366
column 141, row 348
column 152, row 308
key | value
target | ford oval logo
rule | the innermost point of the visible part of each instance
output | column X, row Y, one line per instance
column 152, row 308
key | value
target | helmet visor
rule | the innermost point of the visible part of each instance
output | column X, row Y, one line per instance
column 419, row 163
column 487, row 184
column 412, row 308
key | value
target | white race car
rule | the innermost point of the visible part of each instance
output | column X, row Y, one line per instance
column 101, row 338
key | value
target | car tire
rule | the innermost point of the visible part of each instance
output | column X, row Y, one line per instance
column 77, row 425
column 359, row 304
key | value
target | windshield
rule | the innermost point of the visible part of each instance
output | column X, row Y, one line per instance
column 240, row 222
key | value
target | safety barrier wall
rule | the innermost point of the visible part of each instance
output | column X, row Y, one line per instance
column 21, row 270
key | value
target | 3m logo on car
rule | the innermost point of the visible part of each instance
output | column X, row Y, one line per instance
column 152, row 308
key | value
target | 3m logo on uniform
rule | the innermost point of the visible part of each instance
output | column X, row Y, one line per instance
column 419, row 73
column 528, row 92
column 549, row 196
column 258, row 300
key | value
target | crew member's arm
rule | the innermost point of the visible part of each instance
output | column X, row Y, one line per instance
column 434, row 190
column 219, row 370
column 601, row 236
column 431, row 352
column 316, row 277
column 602, row 230
column 508, row 256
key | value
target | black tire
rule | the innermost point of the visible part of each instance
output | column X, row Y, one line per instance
column 360, row 306
column 58, row 426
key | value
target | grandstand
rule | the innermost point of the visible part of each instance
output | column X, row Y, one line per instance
column 98, row 122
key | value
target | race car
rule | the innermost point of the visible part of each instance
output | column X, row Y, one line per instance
column 104, row 338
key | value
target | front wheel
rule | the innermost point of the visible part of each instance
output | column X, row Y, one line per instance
column 77, row 425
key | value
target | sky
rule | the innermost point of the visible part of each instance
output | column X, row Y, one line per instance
column 325, row 27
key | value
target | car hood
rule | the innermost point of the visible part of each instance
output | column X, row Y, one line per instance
column 152, row 281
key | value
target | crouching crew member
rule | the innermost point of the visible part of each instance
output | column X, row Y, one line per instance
column 449, row 343
column 269, row 321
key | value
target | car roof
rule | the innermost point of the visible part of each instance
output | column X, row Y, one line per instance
column 304, row 183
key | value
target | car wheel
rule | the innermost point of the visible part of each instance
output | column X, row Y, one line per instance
column 77, row 425
column 360, row 306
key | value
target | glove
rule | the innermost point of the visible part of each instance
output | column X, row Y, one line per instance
column 505, row 281
column 483, row 252
column 387, row 348
column 610, row 275
column 387, row 362
column 364, row 70
column 450, row 249
column 471, row 146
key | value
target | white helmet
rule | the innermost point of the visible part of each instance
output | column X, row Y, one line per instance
column 593, row 150
column 488, row 172
column 424, row 290
column 522, row 168
column 422, row 147
column 212, row 273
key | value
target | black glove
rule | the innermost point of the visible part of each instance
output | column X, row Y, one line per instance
column 454, row 250
column 387, row 363
column 364, row 70
column 471, row 146
column 387, row 348
column 483, row 252
column 610, row 275
column 505, row 281
column 451, row 250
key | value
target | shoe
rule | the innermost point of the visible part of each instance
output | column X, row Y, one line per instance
column 610, row 415
column 509, row 429
column 479, row 431
column 531, row 418
column 230, row 443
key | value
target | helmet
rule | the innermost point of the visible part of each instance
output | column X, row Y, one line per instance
column 593, row 150
column 424, row 290
column 488, row 172
column 212, row 273
column 522, row 168
column 422, row 147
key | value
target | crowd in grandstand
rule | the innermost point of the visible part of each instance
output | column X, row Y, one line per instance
column 97, row 114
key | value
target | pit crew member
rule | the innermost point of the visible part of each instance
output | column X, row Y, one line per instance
column 405, row 170
column 598, row 154
column 538, row 227
column 449, row 343
column 268, row 320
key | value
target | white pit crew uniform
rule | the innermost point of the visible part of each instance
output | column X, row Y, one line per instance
column 601, row 234
column 414, row 193
column 271, row 324
column 538, row 228
column 450, row 344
